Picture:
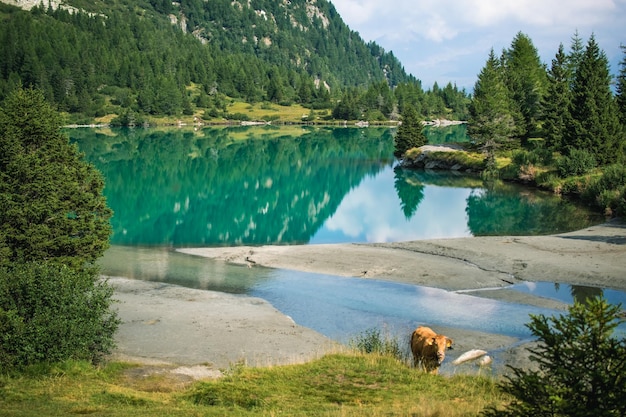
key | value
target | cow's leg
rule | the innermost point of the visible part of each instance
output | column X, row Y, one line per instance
column 431, row 366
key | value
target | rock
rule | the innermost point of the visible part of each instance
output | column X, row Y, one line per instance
column 485, row 360
column 470, row 355
column 425, row 160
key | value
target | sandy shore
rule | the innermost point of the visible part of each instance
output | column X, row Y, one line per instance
column 169, row 324
column 595, row 256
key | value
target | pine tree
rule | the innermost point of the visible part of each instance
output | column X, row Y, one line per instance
column 51, row 201
column 348, row 108
column 556, row 102
column 595, row 126
column 576, row 53
column 582, row 366
column 526, row 81
column 621, row 89
column 410, row 133
column 491, row 122
column 54, row 224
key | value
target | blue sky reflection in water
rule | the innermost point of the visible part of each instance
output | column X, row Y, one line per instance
column 372, row 213
column 344, row 307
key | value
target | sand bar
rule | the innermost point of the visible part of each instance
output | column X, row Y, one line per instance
column 595, row 256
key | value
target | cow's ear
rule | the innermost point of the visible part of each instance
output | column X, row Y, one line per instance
column 449, row 343
column 431, row 341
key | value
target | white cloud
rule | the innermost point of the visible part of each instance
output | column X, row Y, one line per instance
column 439, row 39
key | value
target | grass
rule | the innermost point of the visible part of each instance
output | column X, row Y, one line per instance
column 269, row 111
column 346, row 384
column 466, row 159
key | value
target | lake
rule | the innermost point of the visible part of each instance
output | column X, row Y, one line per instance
column 300, row 185
column 306, row 185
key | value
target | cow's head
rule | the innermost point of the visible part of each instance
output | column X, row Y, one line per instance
column 441, row 343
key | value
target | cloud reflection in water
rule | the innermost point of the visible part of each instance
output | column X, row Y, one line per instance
column 372, row 213
column 343, row 307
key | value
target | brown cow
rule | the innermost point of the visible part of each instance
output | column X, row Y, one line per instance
column 429, row 349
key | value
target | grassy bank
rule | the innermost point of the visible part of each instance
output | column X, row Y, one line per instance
column 336, row 385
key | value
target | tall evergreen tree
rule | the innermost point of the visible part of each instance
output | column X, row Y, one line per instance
column 526, row 80
column 595, row 126
column 557, row 101
column 51, row 202
column 410, row 133
column 348, row 108
column 490, row 110
column 621, row 89
column 576, row 53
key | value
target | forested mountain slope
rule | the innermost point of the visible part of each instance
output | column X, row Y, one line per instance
column 163, row 57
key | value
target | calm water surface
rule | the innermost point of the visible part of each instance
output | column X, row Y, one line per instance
column 224, row 187
column 234, row 186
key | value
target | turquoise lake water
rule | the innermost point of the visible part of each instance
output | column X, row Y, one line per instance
column 303, row 185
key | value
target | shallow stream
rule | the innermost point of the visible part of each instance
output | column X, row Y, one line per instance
column 342, row 308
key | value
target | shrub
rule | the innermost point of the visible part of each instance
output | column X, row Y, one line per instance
column 238, row 116
column 578, row 162
column 521, row 157
column 621, row 203
column 549, row 180
column 372, row 341
column 50, row 313
column 581, row 366
column 613, row 177
column 128, row 118
column 606, row 191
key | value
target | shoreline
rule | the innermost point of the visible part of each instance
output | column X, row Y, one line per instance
column 594, row 256
column 169, row 326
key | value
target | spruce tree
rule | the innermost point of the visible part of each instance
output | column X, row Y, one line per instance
column 526, row 81
column 582, row 366
column 54, row 224
column 576, row 53
column 556, row 102
column 490, row 110
column 595, row 126
column 51, row 201
column 410, row 133
column 621, row 89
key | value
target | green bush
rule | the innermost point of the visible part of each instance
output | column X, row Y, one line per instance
column 607, row 191
column 578, row 162
column 238, row 116
column 621, row 203
column 128, row 118
column 613, row 177
column 522, row 157
column 372, row 341
column 581, row 366
column 50, row 313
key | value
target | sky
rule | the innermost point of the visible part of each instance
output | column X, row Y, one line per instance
column 449, row 40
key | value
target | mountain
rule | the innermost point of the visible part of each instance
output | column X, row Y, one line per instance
column 162, row 57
